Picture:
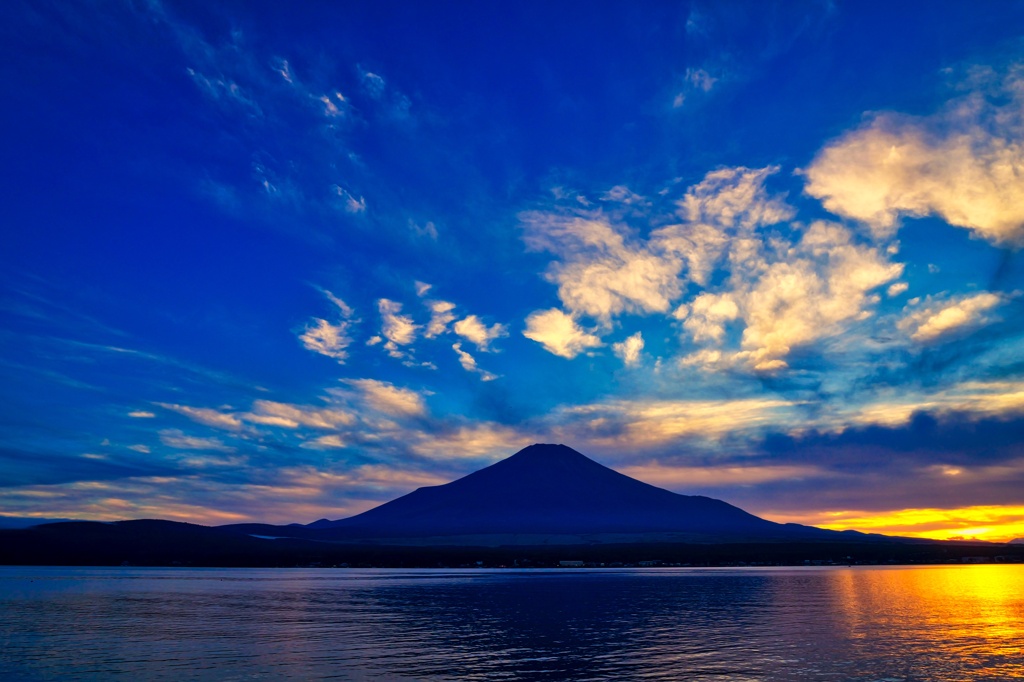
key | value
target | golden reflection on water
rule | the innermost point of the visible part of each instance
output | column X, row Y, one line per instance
column 866, row 624
column 972, row 616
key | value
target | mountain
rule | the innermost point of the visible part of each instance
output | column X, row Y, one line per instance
column 544, row 504
column 551, row 490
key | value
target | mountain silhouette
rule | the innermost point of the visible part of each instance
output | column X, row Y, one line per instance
column 540, row 505
column 552, row 490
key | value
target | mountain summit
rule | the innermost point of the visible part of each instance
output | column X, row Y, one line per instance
column 553, row 490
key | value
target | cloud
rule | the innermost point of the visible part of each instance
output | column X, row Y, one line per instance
column 284, row 415
column 428, row 229
column 631, row 425
column 422, row 288
column 373, row 84
column 825, row 283
column 344, row 308
column 707, row 315
column 141, row 414
column 349, row 201
column 735, row 199
column 285, row 494
column 176, row 438
column 720, row 475
column 624, row 195
column 481, row 439
column 721, row 213
column 630, row 349
column 896, row 289
column 207, row 461
column 395, row 104
column 226, row 91
column 389, row 399
column 781, row 290
column 603, row 272
column 333, row 441
column 440, row 317
column 937, row 319
column 333, row 104
column 787, row 296
column 207, row 416
column 275, row 115
column 606, row 270
column 398, row 329
column 468, row 363
column 963, row 163
column 332, row 340
column 559, row 333
column 991, row 523
column 695, row 80
column 320, row 336
column 980, row 399
column 472, row 329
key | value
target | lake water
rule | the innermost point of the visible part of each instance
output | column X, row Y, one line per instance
column 860, row 623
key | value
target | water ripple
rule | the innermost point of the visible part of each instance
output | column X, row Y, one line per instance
column 864, row 624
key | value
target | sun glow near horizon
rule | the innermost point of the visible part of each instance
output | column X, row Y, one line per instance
column 988, row 523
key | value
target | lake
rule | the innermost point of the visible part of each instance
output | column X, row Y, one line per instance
column 815, row 623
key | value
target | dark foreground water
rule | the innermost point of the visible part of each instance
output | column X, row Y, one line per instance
column 931, row 623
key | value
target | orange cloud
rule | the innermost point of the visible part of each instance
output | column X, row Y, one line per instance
column 994, row 523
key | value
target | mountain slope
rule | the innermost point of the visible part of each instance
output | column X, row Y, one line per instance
column 552, row 489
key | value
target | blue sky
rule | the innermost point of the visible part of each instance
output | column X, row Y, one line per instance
column 278, row 262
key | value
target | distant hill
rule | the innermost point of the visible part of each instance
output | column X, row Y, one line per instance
column 25, row 521
column 545, row 494
column 1018, row 541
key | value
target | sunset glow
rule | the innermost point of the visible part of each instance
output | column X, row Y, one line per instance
column 988, row 523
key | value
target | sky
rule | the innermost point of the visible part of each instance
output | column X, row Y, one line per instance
column 279, row 262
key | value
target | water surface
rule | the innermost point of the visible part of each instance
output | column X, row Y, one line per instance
column 861, row 623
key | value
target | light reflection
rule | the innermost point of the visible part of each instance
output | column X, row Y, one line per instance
column 945, row 624
column 961, row 620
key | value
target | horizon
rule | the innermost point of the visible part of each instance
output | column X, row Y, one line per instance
column 280, row 264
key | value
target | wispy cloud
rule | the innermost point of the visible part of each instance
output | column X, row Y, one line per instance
column 693, row 81
column 350, row 203
column 643, row 424
column 934, row 319
column 325, row 338
column 441, row 316
column 468, row 363
column 388, row 398
column 175, row 438
column 398, row 330
column 290, row 416
column 394, row 104
column 207, row 416
column 320, row 336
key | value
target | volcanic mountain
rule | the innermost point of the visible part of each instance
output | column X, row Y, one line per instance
column 550, row 490
column 533, row 505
